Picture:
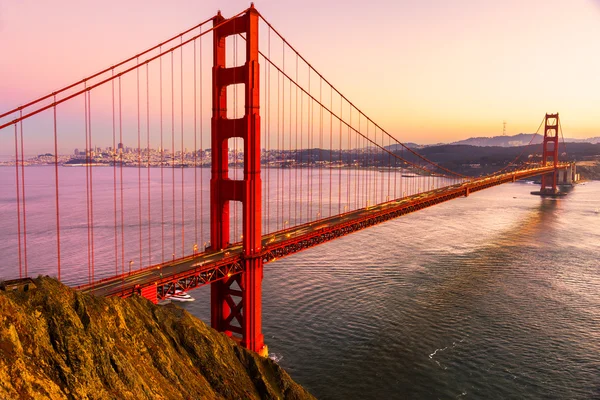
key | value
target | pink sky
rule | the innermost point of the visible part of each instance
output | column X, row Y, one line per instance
column 426, row 71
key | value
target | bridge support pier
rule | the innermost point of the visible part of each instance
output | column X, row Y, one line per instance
column 236, row 301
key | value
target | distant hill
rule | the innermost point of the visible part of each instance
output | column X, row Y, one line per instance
column 521, row 139
column 473, row 160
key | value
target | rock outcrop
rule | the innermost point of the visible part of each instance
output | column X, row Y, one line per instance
column 56, row 343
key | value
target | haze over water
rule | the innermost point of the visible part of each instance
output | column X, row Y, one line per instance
column 492, row 296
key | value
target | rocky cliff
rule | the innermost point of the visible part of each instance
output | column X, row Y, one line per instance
column 56, row 343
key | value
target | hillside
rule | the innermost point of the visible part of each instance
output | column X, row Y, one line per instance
column 521, row 139
column 56, row 343
column 472, row 160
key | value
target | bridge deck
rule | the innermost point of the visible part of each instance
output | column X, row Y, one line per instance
column 210, row 266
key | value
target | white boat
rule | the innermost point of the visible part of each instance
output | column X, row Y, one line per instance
column 180, row 295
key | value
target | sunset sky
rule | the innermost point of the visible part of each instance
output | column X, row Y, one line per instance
column 427, row 71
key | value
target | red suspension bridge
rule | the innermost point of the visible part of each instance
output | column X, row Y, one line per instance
column 293, row 164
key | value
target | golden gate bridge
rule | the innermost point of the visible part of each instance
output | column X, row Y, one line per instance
column 293, row 164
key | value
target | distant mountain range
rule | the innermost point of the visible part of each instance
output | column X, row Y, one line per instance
column 522, row 139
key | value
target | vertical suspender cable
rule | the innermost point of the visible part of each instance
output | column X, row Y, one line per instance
column 282, row 148
column 114, row 162
column 173, row 153
column 320, row 150
column 364, row 191
column 366, row 163
column 162, row 161
column 358, row 170
column 366, row 173
column 371, row 179
column 309, row 116
column 122, row 209
column 268, row 134
column 235, row 141
column 277, row 152
column 298, row 165
column 300, row 205
column 289, row 170
column 340, row 161
column 357, row 166
column 23, row 196
column 265, row 138
column 139, row 161
column 89, row 99
column 380, row 164
column 376, row 153
column 235, row 144
column 56, row 191
column 389, row 165
column 195, row 155
column 148, row 163
column 330, row 146
column 396, row 175
column 401, row 171
column 201, row 145
column 18, row 202
column 349, row 160
column 182, row 154
column 377, row 156
column 87, row 184
column 380, row 157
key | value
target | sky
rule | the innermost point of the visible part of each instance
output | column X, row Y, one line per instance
column 427, row 71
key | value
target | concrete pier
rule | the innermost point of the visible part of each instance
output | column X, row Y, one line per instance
column 565, row 179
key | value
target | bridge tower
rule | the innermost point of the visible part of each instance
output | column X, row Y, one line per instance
column 550, row 151
column 236, row 301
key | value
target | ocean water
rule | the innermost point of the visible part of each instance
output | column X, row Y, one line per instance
column 494, row 296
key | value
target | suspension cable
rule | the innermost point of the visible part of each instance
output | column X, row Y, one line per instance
column 102, row 82
column 351, row 104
